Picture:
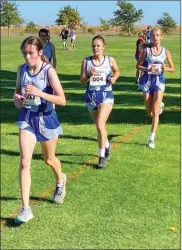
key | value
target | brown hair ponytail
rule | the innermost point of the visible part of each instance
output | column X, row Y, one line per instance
column 44, row 58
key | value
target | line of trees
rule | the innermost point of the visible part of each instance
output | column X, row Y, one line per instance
column 9, row 15
column 125, row 17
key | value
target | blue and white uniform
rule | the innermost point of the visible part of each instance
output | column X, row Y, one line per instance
column 73, row 35
column 47, row 51
column 99, row 88
column 38, row 115
column 151, row 82
column 149, row 36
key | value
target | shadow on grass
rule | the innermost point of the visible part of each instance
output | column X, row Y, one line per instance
column 32, row 198
column 110, row 137
column 75, row 111
column 78, row 115
column 172, row 89
column 136, row 143
column 40, row 157
column 10, row 222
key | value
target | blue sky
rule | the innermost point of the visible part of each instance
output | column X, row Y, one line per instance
column 45, row 12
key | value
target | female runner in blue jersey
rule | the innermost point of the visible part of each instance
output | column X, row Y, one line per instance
column 48, row 47
column 38, row 89
column 100, row 72
column 152, row 82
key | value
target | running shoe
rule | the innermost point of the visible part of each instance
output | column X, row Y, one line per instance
column 151, row 144
column 60, row 192
column 108, row 152
column 161, row 108
column 102, row 163
column 25, row 214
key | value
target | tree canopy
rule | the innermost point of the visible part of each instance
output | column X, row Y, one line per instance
column 104, row 24
column 9, row 14
column 166, row 23
column 68, row 16
column 31, row 28
column 126, row 16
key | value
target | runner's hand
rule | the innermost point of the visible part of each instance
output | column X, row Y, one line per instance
column 18, row 100
column 32, row 90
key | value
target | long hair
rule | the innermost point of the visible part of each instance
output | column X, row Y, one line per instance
column 33, row 40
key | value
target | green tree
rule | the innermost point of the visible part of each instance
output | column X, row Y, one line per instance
column 126, row 16
column 9, row 15
column 68, row 16
column 31, row 28
column 104, row 24
column 166, row 23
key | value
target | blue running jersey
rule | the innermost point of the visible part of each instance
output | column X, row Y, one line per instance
column 40, row 81
column 100, row 81
column 149, row 83
column 38, row 116
column 47, row 51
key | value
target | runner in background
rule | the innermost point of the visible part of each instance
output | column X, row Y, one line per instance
column 73, row 38
column 99, row 72
column 64, row 35
column 139, row 49
column 48, row 47
column 152, row 82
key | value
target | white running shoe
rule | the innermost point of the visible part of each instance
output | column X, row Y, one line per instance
column 150, row 144
column 25, row 214
column 60, row 192
column 161, row 108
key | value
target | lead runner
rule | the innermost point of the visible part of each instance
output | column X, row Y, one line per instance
column 100, row 72
column 38, row 90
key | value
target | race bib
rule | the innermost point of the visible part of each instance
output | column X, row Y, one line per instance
column 158, row 70
column 31, row 99
column 98, row 80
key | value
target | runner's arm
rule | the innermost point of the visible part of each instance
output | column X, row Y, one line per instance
column 17, row 97
column 53, row 51
column 139, row 64
column 83, row 77
column 115, row 70
column 170, row 67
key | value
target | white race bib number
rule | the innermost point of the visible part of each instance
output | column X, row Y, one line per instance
column 98, row 80
column 158, row 69
column 31, row 99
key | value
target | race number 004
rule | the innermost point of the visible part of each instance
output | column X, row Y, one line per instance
column 94, row 79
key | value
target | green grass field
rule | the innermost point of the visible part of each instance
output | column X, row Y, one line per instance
column 135, row 202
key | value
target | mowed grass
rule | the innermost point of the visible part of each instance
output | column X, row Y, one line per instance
column 132, row 204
